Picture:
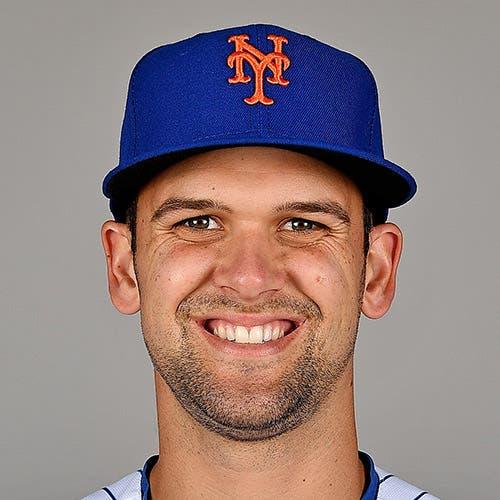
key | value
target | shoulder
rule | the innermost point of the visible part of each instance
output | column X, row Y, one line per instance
column 392, row 487
column 127, row 488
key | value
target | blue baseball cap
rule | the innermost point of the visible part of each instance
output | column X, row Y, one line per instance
column 258, row 84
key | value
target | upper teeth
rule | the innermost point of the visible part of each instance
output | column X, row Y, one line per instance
column 255, row 335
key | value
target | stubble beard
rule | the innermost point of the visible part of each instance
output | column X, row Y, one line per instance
column 252, row 415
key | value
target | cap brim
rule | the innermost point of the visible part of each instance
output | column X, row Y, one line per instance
column 384, row 184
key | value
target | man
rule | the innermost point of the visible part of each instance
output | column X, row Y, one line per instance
column 250, row 231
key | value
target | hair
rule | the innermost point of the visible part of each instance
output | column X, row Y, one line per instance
column 131, row 221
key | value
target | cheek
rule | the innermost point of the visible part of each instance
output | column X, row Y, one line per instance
column 174, row 272
column 333, row 283
column 331, row 278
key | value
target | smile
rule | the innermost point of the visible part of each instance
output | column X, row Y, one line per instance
column 246, row 336
column 257, row 334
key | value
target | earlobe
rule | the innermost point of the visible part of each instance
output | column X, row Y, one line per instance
column 386, row 243
column 122, row 281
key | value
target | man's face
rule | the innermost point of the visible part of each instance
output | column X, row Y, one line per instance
column 259, row 259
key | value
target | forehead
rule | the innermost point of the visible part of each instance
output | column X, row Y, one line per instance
column 242, row 175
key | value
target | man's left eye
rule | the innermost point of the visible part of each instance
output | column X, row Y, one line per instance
column 302, row 225
column 199, row 222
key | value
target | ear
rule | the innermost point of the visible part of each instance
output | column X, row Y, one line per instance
column 122, row 281
column 386, row 244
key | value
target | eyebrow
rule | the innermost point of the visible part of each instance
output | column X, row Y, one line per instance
column 327, row 207
column 177, row 204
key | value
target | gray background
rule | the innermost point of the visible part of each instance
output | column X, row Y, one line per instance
column 78, row 408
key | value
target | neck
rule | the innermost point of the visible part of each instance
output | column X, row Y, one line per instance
column 318, row 459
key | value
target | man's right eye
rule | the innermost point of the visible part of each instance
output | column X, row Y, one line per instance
column 197, row 223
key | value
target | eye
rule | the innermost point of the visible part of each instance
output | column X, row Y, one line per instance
column 197, row 223
column 302, row 225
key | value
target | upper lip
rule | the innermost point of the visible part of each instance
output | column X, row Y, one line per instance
column 249, row 320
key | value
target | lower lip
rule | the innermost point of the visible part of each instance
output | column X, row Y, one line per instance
column 270, row 348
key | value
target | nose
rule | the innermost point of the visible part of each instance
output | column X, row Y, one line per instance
column 250, row 266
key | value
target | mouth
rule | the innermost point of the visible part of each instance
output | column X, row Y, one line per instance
column 247, row 330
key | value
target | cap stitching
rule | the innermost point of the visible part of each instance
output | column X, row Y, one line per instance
column 372, row 121
column 281, row 135
column 134, row 113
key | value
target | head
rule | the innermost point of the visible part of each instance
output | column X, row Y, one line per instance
column 278, row 232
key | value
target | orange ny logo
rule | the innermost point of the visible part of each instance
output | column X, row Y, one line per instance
column 276, row 61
